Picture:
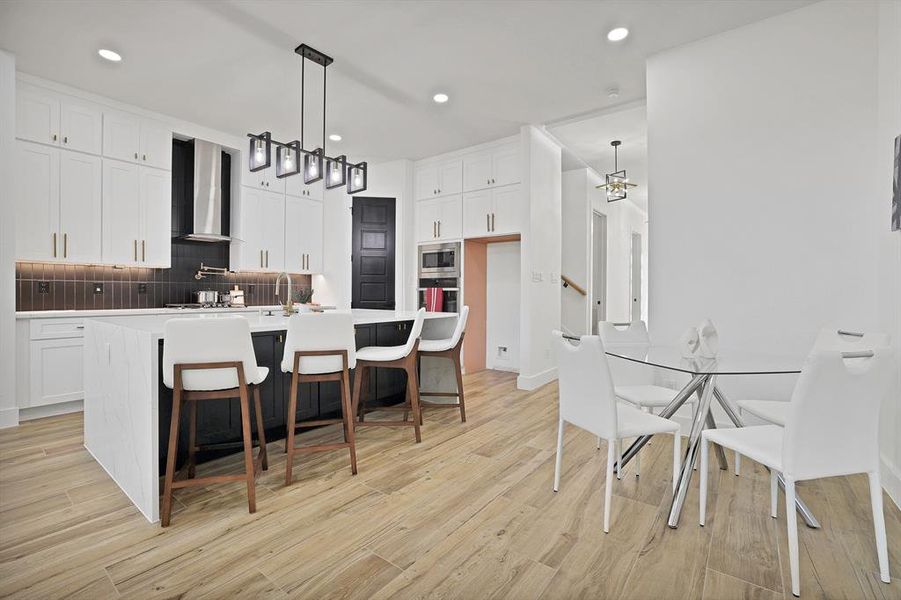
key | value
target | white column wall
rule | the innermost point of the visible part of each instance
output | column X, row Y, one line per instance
column 9, row 413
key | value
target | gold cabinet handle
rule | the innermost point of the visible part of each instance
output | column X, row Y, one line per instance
column 136, row 156
column 54, row 245
column 136, row 250
column 267, row 259
column 65, row 139
column 439, row 228
column 65, row 245
column 54, row 137
column 143, row 251
column 145, row 156
column 261, row 258
column 492, row 222
column 487, row 222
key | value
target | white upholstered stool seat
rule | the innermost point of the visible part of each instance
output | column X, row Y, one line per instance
column 382, row 353
column 437, row 345
column 771, row 411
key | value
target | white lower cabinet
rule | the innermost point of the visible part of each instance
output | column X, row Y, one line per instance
column 57, row 371
column 491, row 212
column 137, row 215
column 58, row 212
column 439, row 219
column 303, row 235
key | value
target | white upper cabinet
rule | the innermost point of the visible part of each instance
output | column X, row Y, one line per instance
column 80, row 207
column 265, row 179
column 58, row 214
column 156, row 218
column 442, row 178
column 37, row 202
column 48, row 118
column 273, row 231
column 130, row 138
column 156, row 144
column 303, row 235
column 491, row 167
column 439, row 219
column 491, row 212
column 81, row 126
column 294, row 186
column 261, row 232
column 37, row 115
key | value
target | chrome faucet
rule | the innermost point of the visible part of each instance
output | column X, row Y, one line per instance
column 278, row 281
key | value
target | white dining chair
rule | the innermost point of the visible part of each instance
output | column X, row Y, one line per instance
column 831, row 429
column 319, row 348
column 207, row 359
column 776, row 411
column 391, row 357
column 633, row 382
column 449, row 348
column 587, row 400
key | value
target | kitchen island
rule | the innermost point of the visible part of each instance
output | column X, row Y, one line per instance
column 126, row 407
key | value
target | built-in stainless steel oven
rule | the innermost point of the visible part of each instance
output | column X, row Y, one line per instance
column 439, row 260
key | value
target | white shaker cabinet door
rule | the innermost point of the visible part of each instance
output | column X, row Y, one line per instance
column 505, row 165
column 121, row 136
column 81, row 126
column 273, row 231
column 426, row 182
column 477, row 171
column 37, row 202
column 313, row 229
column 295, row 250
column 156, row 145
column 80, row 207
column 251, row 229
column 37, row 115
column 450, row 218
column 121, row 212
column 427, row 215
column 56, row 371
column 477, row 214
column 156, row 218
column 507, row 210
column 450, row 177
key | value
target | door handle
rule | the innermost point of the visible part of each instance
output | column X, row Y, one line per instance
column 65, row 245
column 54, row 243
column 143, row 251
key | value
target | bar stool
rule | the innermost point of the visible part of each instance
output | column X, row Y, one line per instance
column 211, row 359
column 391, row 357
column 447, row 348
column 320, row 347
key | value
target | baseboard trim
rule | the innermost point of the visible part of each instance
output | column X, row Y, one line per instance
column 50, row 410
column 9, row 417
column 533, row 382
column 891, row 480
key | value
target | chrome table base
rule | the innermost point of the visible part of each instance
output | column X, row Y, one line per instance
column 705, row 386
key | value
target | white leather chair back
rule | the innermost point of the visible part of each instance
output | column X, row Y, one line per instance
column 632, row 340
column 586, row 392
column 323, row 331
column 415, row 332
column 204, row 340
column 833, row 420
column 461, row 326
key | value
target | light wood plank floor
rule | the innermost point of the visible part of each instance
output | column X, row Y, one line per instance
column 469, row 513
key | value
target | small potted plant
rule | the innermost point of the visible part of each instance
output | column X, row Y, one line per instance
column 303, row 298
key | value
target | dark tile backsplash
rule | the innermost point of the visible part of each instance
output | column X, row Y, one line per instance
column 73, row 286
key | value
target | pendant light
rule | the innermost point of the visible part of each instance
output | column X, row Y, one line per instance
column 292, row 158
column 616, row 183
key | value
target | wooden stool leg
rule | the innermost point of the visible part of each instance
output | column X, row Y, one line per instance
column 166, row 512
column 261, row 429
column 459, row 372
column 349, row 435
column 361, row 389
column 248, row 448
column 413, row 391
column 292, row 426
column 192, row 438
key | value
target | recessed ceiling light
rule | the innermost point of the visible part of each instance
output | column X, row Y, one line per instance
column 335, row 137
column 617, row 34
column 109, row 55
column 440, row 98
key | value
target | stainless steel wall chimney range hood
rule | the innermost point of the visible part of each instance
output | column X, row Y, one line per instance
column 208, row 205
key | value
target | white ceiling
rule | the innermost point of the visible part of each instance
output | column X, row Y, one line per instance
column 231, row 66
column 589, row 140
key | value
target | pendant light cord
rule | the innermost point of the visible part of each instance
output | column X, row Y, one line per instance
column 324, row 71
column 303, row 63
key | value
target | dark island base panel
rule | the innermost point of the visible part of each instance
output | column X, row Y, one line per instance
column 219, row 421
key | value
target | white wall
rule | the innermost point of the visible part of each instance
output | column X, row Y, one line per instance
column 392, row 179
column 502, row 319
column 784, row 230
column 9, row 414
column 540, row 265
column 580, row 198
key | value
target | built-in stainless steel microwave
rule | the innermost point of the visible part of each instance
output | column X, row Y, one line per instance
column 440, row 260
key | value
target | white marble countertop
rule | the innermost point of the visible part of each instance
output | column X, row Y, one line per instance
column 155, row 323
column 126, row 312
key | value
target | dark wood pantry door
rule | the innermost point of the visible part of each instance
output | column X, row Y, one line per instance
column 373, row 253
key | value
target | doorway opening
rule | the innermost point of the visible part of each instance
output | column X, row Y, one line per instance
column 598, row 309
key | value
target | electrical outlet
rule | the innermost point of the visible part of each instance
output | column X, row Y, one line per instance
column 98, row 288
column 502, row 352
column 142, row 288
column 43, row 287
